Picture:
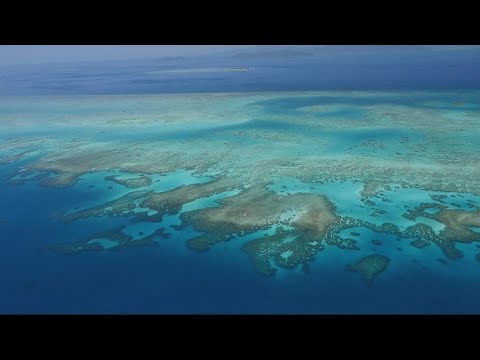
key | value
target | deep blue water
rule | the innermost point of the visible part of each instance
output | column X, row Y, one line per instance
column 327, row 69
column 173, row 279
column 155, row 280
column 159, row 280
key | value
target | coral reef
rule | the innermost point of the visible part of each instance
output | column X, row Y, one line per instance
column 247, row 140
column 168, row 202
column 419, row 210
column 419, row 160
column 172, row 201
column 370, row 189
column 370, row 266
column 73, row 160
column 257, row 208
column 8, row 159
column 62, row 180
column 107, row 240
column 310, row 218
column 92, row 243
column 286, row 254
column 120, row 207
column 457, row 223
column 349, row 244
column 131, row 183
column 419, row 243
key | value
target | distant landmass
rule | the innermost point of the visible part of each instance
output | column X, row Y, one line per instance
column 201, row 70
column 171, row 58
column 273, row 53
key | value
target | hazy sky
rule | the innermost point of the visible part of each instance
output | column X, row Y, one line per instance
column 34, row 54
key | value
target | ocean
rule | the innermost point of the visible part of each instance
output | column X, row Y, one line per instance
column 242, row 185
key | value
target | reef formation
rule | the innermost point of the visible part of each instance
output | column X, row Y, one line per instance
column 131, row 183
column 110, row 240
column 380, row 142
column 370, row 266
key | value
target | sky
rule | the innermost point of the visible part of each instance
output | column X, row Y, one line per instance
column 36, row 54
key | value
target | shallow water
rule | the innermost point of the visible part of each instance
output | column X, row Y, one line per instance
column 410, row 143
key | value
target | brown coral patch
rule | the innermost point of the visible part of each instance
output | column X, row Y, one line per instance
column 122, row 206
column 259, row 208
column 370, row 266
column 457, row 223
column 61, row 180
column 131, row 183
column 115, row 236
column 419, row 243
column 311, row 217
column 172, row 201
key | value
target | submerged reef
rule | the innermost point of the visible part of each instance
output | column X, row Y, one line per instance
column 456, row 222
column 61, row 180
column 140, row 157
column 257, row 208
column 107, row 240
column 120, row 207
column 370, row 189
column 426, row 155
column 8, row 159
column 419, row 243
column 370, row 266
column 147, row 205
column 171, row 202
column 304, row 225
column 284, row 249
column 246, row 142
column 341, row 243
column 132, row 183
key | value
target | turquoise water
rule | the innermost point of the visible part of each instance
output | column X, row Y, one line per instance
column 286, row 144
